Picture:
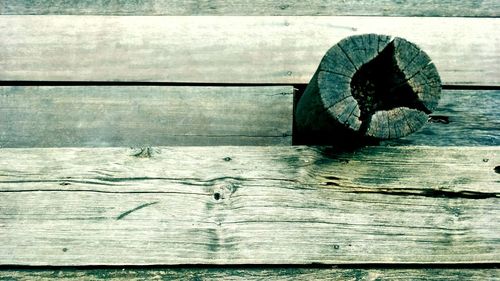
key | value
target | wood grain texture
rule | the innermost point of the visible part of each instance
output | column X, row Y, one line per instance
column 249, row 205
column 144, row 116
column 228, row 49
column 253, row 274
column 461, row 118
column 139, row 116
column 466, row 8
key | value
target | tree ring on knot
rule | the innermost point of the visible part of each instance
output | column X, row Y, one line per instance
column 374, row 85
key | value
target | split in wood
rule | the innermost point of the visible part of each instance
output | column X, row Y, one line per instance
column 368, row 87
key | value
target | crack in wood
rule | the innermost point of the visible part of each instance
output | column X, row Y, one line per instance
column 101, row 191
column 424, row 192
column 109, row 181
column 124, row 214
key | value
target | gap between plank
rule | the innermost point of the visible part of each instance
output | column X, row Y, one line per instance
column 300, row 87
column 465, row 265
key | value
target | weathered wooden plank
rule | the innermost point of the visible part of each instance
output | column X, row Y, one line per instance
column 466, row 8
column 148, row 115
column 228, row 49
column 249, row 205
column 461, row 118
column 253, row 274
column 144, row 115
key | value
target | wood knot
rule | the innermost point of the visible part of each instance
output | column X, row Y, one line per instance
column 144, row 152
column 222, row 192
column 372, row 85
column 284, row 6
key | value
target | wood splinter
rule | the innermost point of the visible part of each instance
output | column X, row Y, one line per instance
column 370, row 86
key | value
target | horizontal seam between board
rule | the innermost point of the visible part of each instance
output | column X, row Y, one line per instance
column 201, row 84
column 313, row 265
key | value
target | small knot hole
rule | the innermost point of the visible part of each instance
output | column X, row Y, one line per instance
column 217, row 196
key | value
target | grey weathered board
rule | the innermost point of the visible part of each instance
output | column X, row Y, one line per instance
column 243, row 274
column 467, row 8
column 236, row 205
column 88, row 116
column 249, row 205
column 145, row 115
column 228, row 49
column 461, row 118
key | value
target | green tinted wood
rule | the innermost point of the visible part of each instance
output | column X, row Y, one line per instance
column 249, row 205
column 49, row 116
column 252, row 274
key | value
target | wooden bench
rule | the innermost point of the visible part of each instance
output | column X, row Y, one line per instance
column 139, row 140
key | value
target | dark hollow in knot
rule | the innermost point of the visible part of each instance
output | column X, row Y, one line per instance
column 217, row 196
column 381, row 85
column 370, row 86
